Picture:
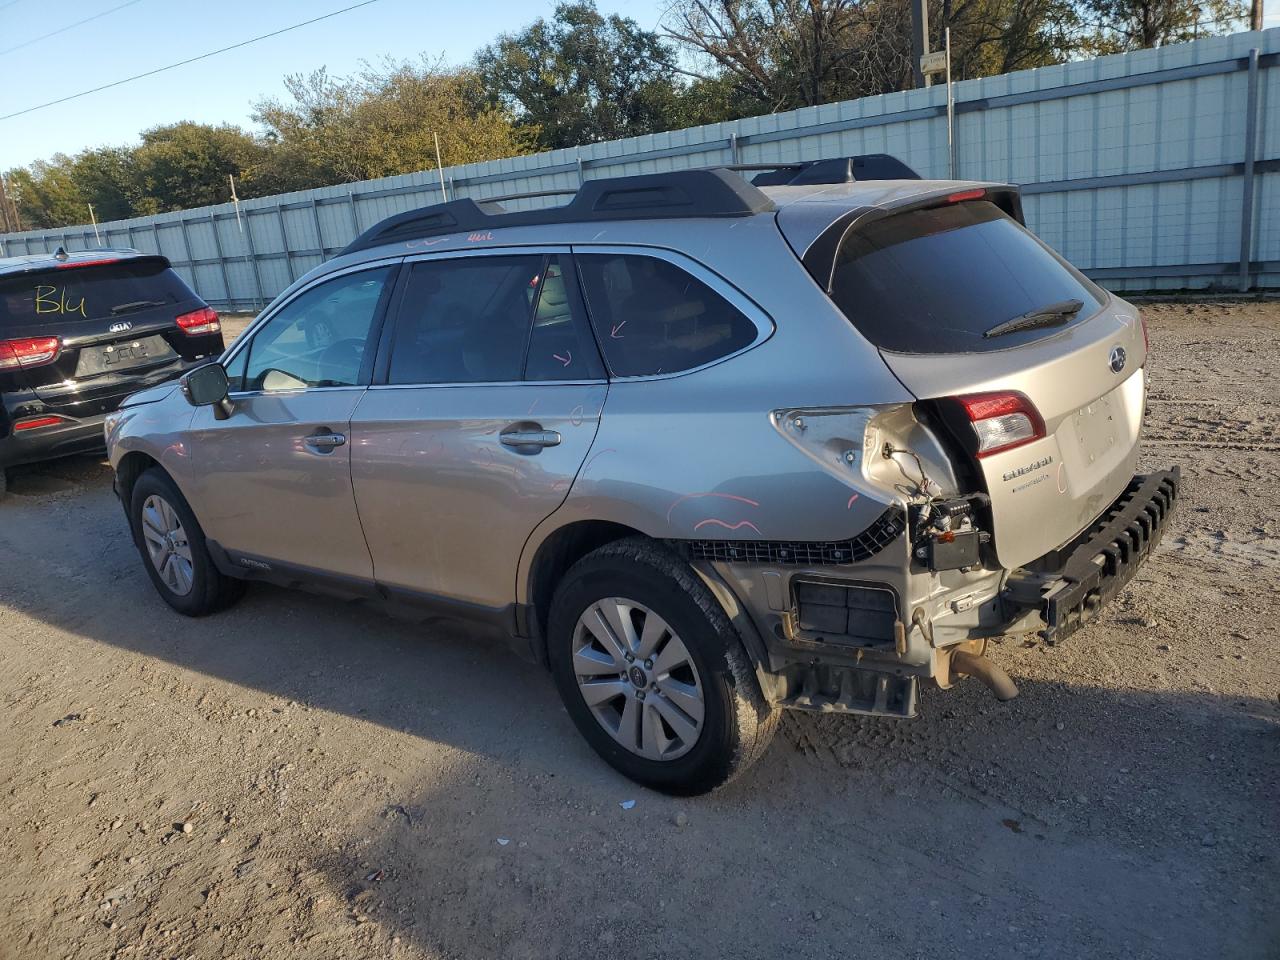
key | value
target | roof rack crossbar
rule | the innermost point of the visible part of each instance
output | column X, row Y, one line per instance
column 678, row 194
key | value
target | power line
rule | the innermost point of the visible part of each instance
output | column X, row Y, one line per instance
column 63, row 30
column 183, row 63
column 8, row 5
column 69, row 26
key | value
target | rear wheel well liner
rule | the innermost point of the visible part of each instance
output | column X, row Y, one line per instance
column 555, row 555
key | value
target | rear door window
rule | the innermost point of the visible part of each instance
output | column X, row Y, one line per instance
column 653, row 317
column 491, row 319
column 561, row 346
column 79, row 293
column 935, row 280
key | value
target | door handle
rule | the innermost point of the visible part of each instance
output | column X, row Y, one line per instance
column 530, row 438
column 324, row 441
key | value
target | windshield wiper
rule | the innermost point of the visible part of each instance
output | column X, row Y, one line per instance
column 135, row 305
column 1052, row 315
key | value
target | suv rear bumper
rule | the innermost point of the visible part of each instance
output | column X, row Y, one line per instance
column 1104, row 561
column 84, row 435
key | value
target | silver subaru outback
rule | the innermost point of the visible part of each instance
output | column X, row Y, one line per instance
column 705, row 450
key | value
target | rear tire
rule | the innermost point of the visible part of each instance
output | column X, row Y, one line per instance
column 675, row 704
column 173, row 548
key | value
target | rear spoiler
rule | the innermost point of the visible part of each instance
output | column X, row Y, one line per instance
column 60, row 259
column 819, row 259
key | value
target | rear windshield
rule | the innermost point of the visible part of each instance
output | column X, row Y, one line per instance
column 76, row 293
column 936, row 280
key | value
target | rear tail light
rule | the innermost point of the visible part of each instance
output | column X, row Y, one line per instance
column 35, row 423
column 1002, row 420
column 31, row 352
column 964, row 195
column 197, row 322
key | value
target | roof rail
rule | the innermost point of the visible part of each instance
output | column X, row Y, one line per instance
column 680, row 193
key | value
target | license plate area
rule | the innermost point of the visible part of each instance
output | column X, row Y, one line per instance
column 123, row 355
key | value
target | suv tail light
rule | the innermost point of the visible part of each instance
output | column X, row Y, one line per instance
column 197, row 322
column 31, row 352
column 1002, row 420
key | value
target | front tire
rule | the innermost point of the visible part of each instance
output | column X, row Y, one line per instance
column 173, row 548
column 653, row 673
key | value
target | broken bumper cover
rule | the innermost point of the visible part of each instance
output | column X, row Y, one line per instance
column 1109, row 556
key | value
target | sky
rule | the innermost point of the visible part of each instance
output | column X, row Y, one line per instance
column 127, row 37
column 132, row 36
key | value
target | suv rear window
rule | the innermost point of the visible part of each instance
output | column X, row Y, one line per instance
column 75, row 293
column 935, row 280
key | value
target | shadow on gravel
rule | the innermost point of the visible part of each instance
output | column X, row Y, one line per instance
column 1076, row 820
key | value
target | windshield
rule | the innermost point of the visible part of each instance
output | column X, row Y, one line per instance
column 937, row 280
column 81, row 293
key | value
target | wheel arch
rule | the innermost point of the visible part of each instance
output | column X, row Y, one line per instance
column 566, row 545
column 550, row 560
column 131, row 466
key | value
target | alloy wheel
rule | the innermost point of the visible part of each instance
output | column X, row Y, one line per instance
column 167, row 544
column 638, row 679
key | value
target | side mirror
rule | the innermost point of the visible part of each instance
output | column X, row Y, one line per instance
column 207, row 386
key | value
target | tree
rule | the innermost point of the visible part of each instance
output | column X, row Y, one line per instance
column 1120, row 25
column 184, row 165
column 785, row 54
column 379, row 123
column 107, row 178
column 46, row 193
column 584, row 78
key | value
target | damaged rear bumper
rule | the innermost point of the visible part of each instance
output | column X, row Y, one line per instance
column 1103, row 560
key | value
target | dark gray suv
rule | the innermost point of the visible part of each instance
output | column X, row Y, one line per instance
column 705, row 449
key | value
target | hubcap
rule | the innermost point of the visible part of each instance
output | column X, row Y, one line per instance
column 638, row 678
column 167, row 544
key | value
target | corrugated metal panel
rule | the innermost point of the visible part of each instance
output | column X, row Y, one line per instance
column 1167, row 126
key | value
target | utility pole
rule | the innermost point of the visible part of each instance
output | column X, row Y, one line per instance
column 919, row 40
column 1255, row 15
column 9, row 221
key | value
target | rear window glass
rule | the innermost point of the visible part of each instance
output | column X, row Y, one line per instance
column 78, row 293
column 936, row 280
column 652, row 317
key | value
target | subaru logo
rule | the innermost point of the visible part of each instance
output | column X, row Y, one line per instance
column 124, row 325
column 1117, row 359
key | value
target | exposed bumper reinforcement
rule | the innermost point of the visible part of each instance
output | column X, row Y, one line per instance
column 826, row 688
column 1119, row 543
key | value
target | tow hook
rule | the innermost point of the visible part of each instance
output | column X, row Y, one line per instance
column 988, row 671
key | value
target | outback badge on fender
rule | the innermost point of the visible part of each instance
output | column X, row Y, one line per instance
column 1118, row 358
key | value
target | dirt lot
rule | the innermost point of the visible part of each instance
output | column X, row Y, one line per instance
column 298, row 778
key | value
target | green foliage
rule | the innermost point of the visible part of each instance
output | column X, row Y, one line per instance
column 185, row 165
column 380, row 123
column 584, row 78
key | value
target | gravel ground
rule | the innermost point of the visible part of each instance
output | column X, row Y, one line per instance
column 299, row 778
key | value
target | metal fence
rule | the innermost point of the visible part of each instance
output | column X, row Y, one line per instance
column 1155, row 170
